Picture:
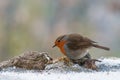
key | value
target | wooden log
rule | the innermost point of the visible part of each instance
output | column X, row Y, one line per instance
column 28, row 60
column 39, row 60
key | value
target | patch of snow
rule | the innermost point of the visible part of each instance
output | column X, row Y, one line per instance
column 108, row 69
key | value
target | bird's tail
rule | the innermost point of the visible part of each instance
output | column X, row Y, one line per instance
column 101, row 47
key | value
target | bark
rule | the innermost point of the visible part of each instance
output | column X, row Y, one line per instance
column 28, row 60
column 39, row 60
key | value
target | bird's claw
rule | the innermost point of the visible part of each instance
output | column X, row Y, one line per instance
column 90, row 64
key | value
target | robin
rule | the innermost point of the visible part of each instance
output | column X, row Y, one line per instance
column 75, row 46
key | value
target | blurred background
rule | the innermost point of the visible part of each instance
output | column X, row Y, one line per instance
column 33, row 25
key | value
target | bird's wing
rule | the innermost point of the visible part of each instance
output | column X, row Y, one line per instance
column 77, row 41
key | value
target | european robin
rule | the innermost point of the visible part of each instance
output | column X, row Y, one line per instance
column 75, row 46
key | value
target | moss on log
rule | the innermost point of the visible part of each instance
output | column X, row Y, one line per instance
column 28, row 60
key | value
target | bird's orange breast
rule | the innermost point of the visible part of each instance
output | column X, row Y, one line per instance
column 61, row 46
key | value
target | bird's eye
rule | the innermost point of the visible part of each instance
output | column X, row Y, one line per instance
column 58, row 40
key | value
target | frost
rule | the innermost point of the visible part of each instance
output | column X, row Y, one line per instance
column 108, row 69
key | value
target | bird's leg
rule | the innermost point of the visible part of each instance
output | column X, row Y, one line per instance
column 90, row 64
column 56, row 60
column 64, row 58
column 67, row 61
column 82, row 60
column 87, row 62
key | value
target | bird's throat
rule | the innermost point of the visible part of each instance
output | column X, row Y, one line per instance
column 61, row 46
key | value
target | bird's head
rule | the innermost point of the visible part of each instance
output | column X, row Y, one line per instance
column 60, row 41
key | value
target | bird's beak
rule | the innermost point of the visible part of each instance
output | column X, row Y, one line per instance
column 54, row 46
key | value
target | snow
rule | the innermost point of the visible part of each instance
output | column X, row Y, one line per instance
column 108, row 69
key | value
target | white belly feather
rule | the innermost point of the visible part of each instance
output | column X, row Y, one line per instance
column 78, row 54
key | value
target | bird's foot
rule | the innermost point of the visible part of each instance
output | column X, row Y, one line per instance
column 63, row 59
column 90, row 64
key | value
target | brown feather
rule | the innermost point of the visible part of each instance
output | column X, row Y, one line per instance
column 101, row 47
column 76, row 41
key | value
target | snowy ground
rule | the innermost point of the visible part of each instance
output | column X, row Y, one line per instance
column 109, row 69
